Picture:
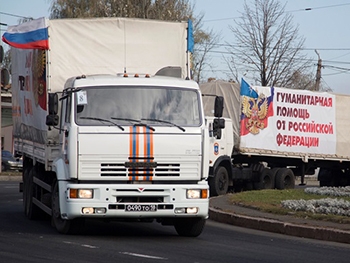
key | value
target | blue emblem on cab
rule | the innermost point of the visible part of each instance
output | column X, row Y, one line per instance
column 216, row 148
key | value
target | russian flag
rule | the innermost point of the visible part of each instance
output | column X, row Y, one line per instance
column 269, row 106
column 29, row 35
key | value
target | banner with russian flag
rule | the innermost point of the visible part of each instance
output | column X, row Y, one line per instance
column 283, row 120
column 29, row 35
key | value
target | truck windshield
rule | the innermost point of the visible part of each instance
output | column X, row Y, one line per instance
column 154, row 106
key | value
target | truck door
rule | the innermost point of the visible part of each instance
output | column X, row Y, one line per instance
column 65, row 124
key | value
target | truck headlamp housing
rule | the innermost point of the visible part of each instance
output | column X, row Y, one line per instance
column 197, row 193
column 81, row 193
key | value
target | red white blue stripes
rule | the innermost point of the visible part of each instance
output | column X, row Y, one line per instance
column 141, row 152
column 29, row 35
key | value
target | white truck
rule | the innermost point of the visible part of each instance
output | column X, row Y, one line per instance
column 273, row 134
column 101, row 145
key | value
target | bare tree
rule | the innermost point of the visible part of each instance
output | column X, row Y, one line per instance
column 268, row 46
column 301, row 80
column 159, row 9
column 232, row 67
column 205, row 42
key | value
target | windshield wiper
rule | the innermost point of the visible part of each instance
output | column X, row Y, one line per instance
column 125, row 119
column 167, row 122
column 102, row 120
column 138, row 122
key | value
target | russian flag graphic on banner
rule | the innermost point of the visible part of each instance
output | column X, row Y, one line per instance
column 247, row 90
column 255, row 109
column 29, row 35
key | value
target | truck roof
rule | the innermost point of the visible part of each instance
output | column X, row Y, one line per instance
column 120, row 79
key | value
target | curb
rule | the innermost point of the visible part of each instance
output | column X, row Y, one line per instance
column 270, row 225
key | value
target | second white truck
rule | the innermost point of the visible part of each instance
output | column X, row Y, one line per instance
column 273, row 134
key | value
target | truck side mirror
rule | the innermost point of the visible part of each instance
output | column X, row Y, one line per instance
column 52, row 119
column 53, row 103
column 5, row 77
column 218, row 125
column 219, row 106
column 218, row 134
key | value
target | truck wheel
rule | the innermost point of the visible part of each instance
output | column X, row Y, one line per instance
column 325, row 177
column 63, row 226
column 30, row 209
column 189, row 227
column 285, row 179
column 219, row 183
column 273, row 172
column 266, row 180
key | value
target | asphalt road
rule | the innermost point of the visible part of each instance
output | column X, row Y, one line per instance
column 22, row 240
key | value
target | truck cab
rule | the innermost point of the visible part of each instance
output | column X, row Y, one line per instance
column 131, row 147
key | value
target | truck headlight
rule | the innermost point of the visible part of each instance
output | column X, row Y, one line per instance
column 197, row 193
column 81, row 193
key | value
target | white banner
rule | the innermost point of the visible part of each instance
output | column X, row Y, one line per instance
column 298, row 121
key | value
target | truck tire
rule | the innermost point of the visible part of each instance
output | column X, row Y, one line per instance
column 219, row 183
column 285, row 179
column 273, row 173
column 325, row 177
column 189, row 227
column 30, row 209
column 332, row 178
column 63, row 226
column 266, row 180
column 340, row 179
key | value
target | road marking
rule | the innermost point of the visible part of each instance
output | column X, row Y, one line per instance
column 141, row 255
column 77, row 244
column 89, row 246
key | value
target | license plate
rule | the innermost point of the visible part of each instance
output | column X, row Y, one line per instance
column 140, row 208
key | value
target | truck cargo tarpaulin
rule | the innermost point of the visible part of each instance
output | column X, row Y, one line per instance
column 300, row 122
column 30, row 35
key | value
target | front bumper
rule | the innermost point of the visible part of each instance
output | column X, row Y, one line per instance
column 169, row 201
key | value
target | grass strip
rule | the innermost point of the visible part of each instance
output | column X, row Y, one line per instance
column 270, row 201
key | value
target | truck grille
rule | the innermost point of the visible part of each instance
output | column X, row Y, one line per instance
column 140, row 169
